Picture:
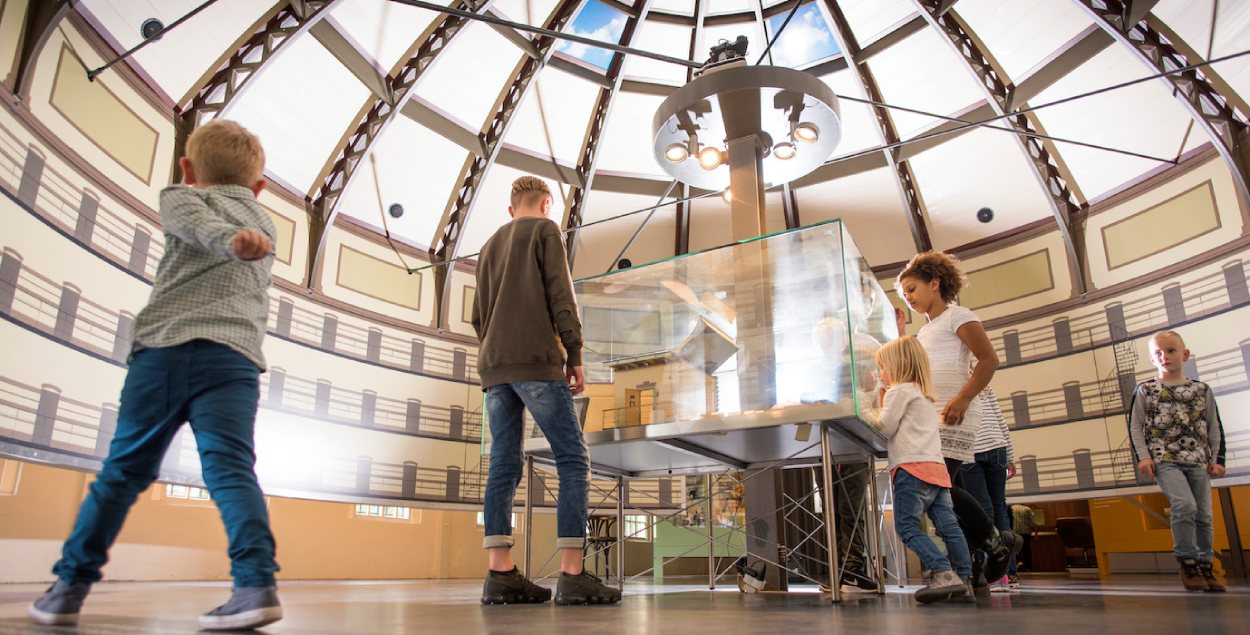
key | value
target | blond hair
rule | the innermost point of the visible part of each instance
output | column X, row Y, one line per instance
column 225, row 153
column 528, row 191
column 1158, row 335
column 905, row 360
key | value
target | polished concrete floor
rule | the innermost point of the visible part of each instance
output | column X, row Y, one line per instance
column 1130, row 605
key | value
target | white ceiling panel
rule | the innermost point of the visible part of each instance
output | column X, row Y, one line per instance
column 870, row 205
column 177, row 60
column 860, row 129
column 870, row 19
column 1142, row 118
column 661, row 37
column 552, row 118
column 300, row 105
column 460, row 84
column 627, row 139
column 924, row 73
column 418, row 169
column 1022, row 33
column 531, row 12
column 385, row 30
column 984, row 168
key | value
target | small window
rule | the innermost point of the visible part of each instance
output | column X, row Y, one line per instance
column 596, row 21
column 516, row 522
column 10, row 474
column 390, row 512
column 638, row 527
column 186, row 492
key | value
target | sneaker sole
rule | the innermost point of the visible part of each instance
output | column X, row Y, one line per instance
column 51, row 619
column 941, row 595
column 241, row 621
column 514, row 599
column 565, row 600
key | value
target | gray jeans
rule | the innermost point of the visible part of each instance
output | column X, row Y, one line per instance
column 1188, row 489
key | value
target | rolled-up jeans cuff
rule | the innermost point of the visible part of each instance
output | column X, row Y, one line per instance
column 576, row 542
column 491, row 542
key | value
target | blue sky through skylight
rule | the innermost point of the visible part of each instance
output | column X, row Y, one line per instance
column 805, row 40
column 598, row 22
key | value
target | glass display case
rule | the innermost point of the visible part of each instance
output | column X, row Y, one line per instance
column 726, row 357
column 784, row 322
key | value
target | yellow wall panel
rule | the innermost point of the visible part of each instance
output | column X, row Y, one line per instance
column 286, row 236
column 102, row 117
column 1016, row 278
column 378, row 279
column 12, row 13
column 1177, row 220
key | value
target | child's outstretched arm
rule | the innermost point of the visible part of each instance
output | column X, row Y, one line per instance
column 186, row 214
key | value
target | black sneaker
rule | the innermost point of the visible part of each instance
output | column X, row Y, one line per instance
column 512, row 588
column 584, row 588
column 998, row 551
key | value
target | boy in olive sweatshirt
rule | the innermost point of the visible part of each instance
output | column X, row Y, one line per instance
column 524, row 303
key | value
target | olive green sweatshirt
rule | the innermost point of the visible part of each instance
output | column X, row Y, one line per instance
column 524, row 301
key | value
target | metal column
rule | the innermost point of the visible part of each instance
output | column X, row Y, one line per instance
column 831, row 515
column 620, row 531
column 875, row 522
column 529, row 511
column 1237, row 560
column 711, row 539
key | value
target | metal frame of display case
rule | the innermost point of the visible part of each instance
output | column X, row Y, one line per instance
column 779, row 438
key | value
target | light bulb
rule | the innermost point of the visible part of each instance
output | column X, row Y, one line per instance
column 710, row 158
column 676, row 153
column 807, row 132
column 727, row 197
column 784, row 151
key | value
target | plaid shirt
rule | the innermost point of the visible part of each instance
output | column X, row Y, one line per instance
column 202, row 290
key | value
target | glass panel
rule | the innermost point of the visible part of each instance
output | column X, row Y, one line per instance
column 772, row 323
column 596, row 21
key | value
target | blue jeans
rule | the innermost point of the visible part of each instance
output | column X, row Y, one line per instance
column 912, row 499
column 1188, row 488
column 215, row 389
column 551, row 403
column 986, row 479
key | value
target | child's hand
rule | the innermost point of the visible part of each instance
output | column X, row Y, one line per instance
column 880, row 396
column 1216, row 470
column 900, row 319
column 250, row 245
column 1146, row 467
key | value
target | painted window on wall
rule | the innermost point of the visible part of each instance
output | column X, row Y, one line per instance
column 391, row 512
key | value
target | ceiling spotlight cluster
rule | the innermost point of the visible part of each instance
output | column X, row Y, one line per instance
column 712, row 157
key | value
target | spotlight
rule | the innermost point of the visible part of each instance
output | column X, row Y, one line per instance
column 710, row 158
column 807, row 132
column 150, row 28
column 677, row 152
column 727, row 197
column 784, row 151
column 985, row 214
column 395, row 210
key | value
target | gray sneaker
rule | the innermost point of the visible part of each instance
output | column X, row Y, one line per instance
column 584, row 588
column 946, row 585
column 248, row 607
column 512, row 588
column 60, row 605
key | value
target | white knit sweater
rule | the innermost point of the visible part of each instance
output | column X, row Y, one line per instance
column 910, row 422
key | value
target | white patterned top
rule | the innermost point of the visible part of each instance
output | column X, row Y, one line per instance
column 951, row 363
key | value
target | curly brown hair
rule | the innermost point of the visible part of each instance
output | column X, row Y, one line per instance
column 936, row 265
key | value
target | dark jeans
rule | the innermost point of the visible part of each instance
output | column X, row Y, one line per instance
column 852, row 497
column 976, row 524
column 216, row 390
column 986, row 479
column 914, row 498
column 551, row 403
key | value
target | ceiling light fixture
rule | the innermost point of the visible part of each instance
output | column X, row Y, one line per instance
column 784, row 151
column 806, row 132
column 727, row 197
column 711, row 158
column 676, row 153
